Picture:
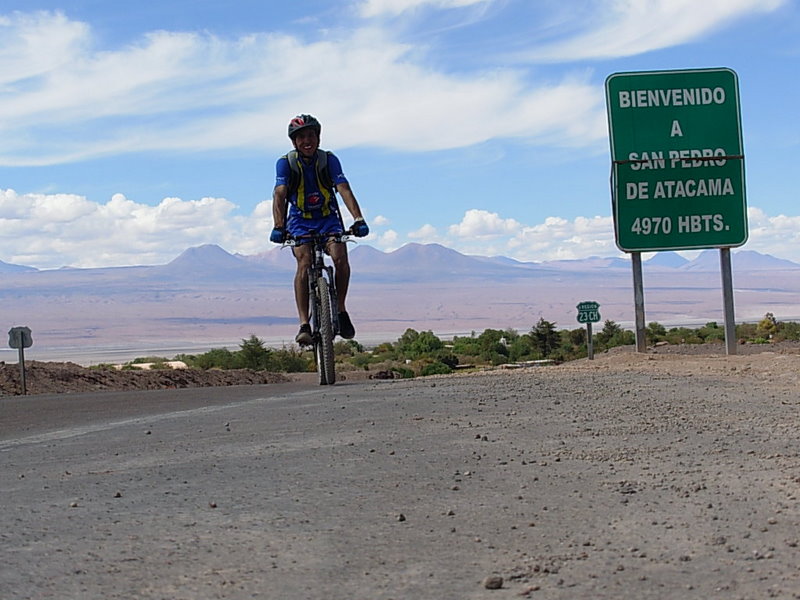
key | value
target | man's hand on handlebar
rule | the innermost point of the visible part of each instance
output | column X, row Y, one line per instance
column 278, row 235
column 281, row 236
column 360, row 228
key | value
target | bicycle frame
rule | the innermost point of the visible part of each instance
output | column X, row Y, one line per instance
column 320, row 269
column 322, row 300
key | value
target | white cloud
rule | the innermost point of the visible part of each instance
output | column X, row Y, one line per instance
column 66, row 99
column 194, row 92
column 388, row 240
column 50, row 231
column 425, row 234
column 617, row 28
column 380, row 221
column 779, row 235
column 554, row 239
column 559, row 238
column 37, row 44
column 375, row 8
column 481, row 224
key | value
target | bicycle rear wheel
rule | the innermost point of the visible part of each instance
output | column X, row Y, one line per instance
column 326, row 364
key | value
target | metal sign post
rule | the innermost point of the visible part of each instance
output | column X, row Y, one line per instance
column 589, row 312
column 20, row 338
column 727, row 299
column 638, row 301
column 677, row 179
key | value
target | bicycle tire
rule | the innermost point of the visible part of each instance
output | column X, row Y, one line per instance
column 326, row 364
column 314, row 309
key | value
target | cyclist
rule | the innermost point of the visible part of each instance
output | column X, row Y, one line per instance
column 301, row 205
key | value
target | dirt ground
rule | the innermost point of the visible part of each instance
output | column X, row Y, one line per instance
column 779, row 361
column 666, row 475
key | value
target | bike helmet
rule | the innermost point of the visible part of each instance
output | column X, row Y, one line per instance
column 303, row 122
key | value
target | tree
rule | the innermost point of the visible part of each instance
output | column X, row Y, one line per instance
column 219, row 358
column 253, row 354
column 491, row 346
column 610, row 329
column 413, row 344
column 577, row 337
column 521, row 348
column 767, row 327
column 655, row 332
column 426, row 344
column 405, row 341
column 466, row 346
column 545, row 337
column 573, row 344
column 613, row 335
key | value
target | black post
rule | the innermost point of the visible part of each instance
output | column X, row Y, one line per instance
column 727, row 300
column 22, row 370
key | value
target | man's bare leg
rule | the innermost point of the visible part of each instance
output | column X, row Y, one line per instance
column 303, row 256
column 338, row 252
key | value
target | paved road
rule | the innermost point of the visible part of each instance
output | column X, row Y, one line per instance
column 565, row 485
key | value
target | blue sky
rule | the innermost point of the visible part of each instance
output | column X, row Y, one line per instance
column 133, row 130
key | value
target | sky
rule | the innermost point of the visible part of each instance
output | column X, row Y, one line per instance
column 133, row 130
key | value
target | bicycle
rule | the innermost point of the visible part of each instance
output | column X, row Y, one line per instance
column 322, row 301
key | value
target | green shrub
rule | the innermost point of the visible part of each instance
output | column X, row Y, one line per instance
column 788, row 331
column 289, row 360
column 404, row 372
column 436, row 368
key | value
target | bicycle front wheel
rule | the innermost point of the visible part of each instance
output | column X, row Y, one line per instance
column 326, row 364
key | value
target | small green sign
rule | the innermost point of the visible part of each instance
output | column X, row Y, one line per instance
column 588, row 312
column 677, row 160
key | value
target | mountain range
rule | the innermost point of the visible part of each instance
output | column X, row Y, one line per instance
column 421, row 260
column 207, row 297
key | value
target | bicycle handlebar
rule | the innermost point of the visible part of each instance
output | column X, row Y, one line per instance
column 310, row 237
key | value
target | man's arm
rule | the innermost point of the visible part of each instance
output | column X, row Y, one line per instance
column 349, row 200
column 279, row 205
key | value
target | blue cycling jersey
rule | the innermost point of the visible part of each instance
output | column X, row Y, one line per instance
column 311, row 206
column 311, row 198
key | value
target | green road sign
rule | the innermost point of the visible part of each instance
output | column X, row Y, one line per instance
column 677, row 160
column 588, row 312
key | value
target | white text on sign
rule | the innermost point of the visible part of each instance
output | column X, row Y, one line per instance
column 689, row 188
column 684, row 159
column 671, row 97
column 679, row 224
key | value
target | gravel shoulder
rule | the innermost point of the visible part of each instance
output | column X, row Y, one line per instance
column 631, row 476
